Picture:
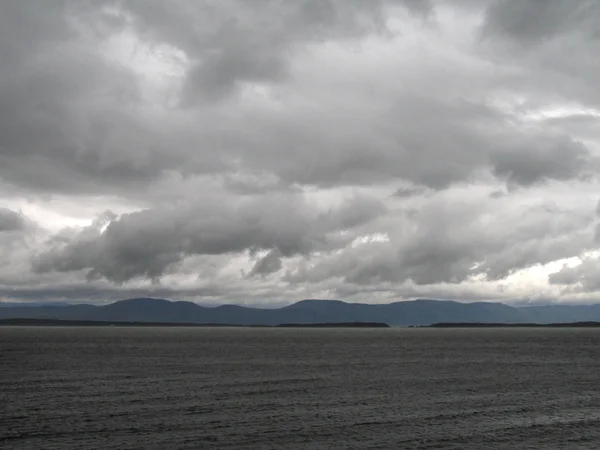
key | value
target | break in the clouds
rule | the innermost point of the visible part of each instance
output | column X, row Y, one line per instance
column 263, row 152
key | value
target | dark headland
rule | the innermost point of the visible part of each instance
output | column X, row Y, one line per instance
column 516, row 325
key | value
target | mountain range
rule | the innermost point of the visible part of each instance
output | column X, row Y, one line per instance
column 404, row 313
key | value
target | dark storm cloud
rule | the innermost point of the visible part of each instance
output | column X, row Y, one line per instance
column 570, row 275
column 410, row 191
column 11, row 220
column 57, row 95
column 535, row 21
column 433, row 143
column 230, row 42
column 75, row 121
column 451, row 242
column 584, row 277
column 270, row 263
column 146, row 243
column 560, row 158
column 554, row 42
column 242, row 107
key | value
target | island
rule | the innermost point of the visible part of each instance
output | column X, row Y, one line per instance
column 335, row 325
column 514, row 325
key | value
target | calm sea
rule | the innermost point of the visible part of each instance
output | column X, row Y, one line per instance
column 211, row 388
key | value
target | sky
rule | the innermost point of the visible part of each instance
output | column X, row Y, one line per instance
column 265, row 152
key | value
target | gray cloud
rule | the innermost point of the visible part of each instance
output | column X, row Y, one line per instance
column 76, row 121
column 270, row 263
column 553, row 43
column 536, row 21
column 560, row 158
column 453, row 244
column 585, row 276
column 11, row 220
column 410, row 191
column 232, row 42
column 582, row 278
column 266, row 147
column 146, row 243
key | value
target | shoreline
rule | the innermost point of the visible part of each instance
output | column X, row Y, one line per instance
column 512, row 325
column 95, row 323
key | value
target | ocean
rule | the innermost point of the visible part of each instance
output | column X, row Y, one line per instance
column 256, row 388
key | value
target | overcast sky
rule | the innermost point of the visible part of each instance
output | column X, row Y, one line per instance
column 263, row 152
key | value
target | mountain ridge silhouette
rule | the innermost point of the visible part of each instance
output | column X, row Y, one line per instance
column 403, row 313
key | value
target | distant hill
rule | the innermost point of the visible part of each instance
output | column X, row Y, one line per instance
column 417, row 312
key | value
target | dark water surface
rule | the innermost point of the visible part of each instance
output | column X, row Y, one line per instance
column 171, row 388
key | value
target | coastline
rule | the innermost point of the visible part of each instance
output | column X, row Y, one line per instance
column 93, row 323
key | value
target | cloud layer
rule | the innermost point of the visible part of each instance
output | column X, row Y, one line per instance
column 228, row 152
